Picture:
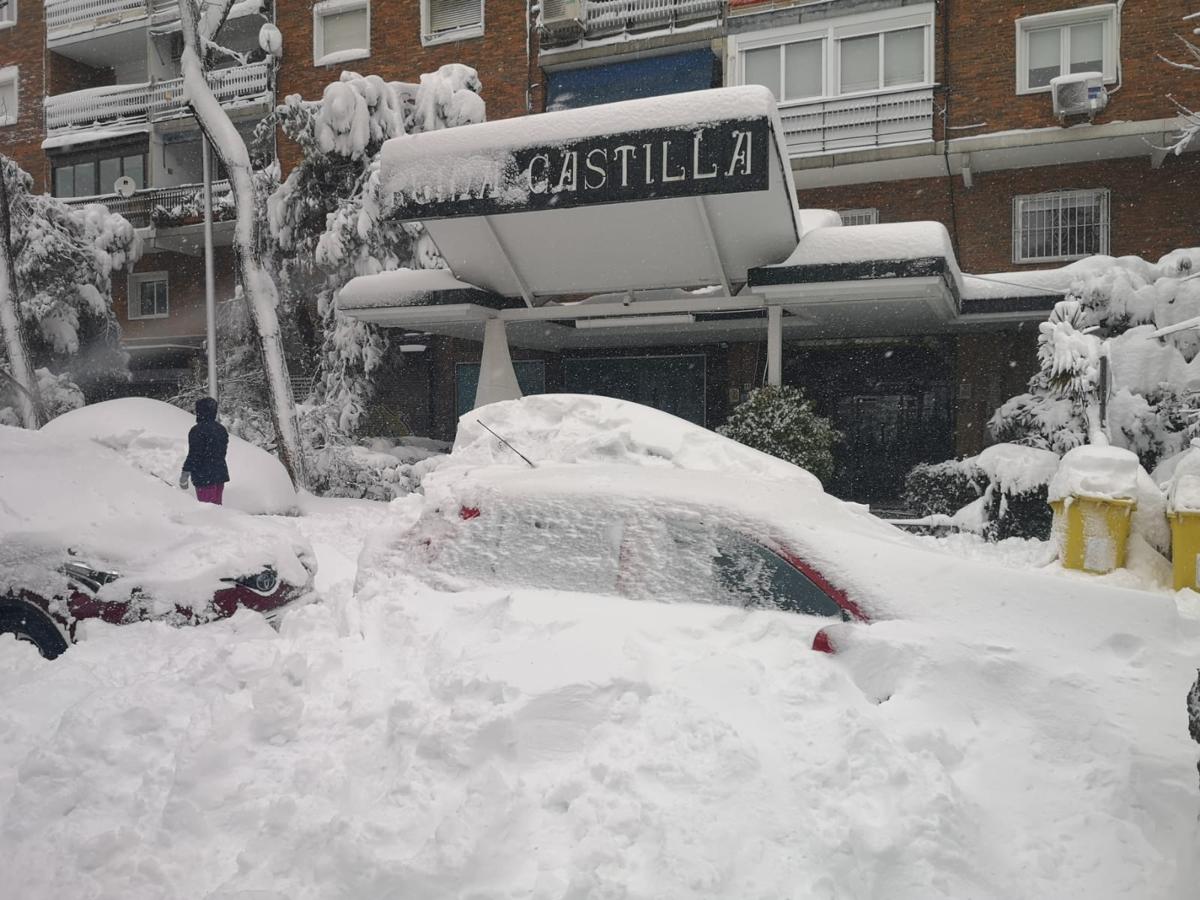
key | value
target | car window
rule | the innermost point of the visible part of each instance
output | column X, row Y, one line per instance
column 759, row 577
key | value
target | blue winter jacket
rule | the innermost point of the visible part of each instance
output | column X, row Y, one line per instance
column 207, row 442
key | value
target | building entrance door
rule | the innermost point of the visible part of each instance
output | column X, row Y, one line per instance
column 892, row 403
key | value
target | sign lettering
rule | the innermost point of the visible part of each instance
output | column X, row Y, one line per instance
column 714, row 158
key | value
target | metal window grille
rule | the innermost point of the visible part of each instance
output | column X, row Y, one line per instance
column 1063, row 225
column 859, row 216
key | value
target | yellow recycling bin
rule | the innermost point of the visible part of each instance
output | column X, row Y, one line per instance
column 1092, row 533
column 1185, row 548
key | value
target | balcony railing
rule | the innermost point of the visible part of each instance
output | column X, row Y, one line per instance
column 604, row 18
column 879, row 120
column 67, row 17
column 132, row 104
column 166, row 207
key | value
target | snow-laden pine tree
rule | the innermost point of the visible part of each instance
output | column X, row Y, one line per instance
column 201, row 24
column 328, row 221
column 56, row 265
column 1114, row 307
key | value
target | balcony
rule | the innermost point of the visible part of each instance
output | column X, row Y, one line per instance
column 855, row 123
column 169, row 207
column 67, row 18
column 632, row 19
column 125, row 105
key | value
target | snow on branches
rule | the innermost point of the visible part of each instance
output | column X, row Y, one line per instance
column 1114, row 308
column 328, row 221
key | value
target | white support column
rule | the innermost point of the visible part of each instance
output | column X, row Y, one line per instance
column 775, row 345
column 497, row 377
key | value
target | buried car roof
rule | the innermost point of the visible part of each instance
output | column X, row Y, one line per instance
column 583, row 428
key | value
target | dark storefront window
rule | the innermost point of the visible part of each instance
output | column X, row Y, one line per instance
column 674, row 384
column 531, row 378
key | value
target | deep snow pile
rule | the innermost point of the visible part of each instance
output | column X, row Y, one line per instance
column 409, row 743
column 153, row 436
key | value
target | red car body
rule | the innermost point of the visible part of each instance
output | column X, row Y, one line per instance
column 51, row 623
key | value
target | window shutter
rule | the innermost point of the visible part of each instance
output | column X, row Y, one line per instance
column 448, row 15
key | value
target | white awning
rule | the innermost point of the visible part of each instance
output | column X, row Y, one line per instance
column 677, row 191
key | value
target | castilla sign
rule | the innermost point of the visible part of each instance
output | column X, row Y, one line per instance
column 725, row 157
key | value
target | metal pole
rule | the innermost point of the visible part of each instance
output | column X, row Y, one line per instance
column 210, row 301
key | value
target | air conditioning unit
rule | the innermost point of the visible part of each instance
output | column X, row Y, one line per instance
column 558, row 15
column 1078, row 94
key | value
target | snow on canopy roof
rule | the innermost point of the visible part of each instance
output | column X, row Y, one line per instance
column 867, row 243
column 401, row 154
column 405, row 287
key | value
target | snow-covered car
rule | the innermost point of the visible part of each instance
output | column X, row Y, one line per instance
column 595, row 495
column 84, row 535
column 152, row 436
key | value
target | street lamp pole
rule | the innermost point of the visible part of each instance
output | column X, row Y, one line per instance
column 210, row 301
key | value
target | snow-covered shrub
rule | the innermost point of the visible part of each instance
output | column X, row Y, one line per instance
column 1113, row 307
column 943, row 488
column 58, row 393
column 781, row 421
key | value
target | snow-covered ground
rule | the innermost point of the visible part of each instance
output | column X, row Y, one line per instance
column 409, row 743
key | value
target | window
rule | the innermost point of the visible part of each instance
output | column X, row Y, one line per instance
column 8, row 13
column 855, row 54
column 450, row 20
column 859, row 216
column 1060, row 226
column 9, row 82
column 1063, row 43
column 341, row 31
column 95, row 174
column 148, row 295
column 792, row 71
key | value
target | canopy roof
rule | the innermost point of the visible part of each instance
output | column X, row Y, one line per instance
column 678, row 191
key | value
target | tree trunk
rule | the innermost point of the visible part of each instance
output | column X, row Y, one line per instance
column 29, row 405
column 257, row 286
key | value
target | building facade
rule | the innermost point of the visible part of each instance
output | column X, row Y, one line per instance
column 1035, row 132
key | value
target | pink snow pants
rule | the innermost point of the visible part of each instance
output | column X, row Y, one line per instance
column 210, row 493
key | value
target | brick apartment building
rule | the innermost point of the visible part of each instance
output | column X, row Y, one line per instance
column 893, row 111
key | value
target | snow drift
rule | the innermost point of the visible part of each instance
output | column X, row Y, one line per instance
column 152, row 436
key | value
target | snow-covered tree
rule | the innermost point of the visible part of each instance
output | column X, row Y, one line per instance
column 201, row 23
column 329, row 226
column 56, row 265
column 1114, row 307
column 781, row 421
